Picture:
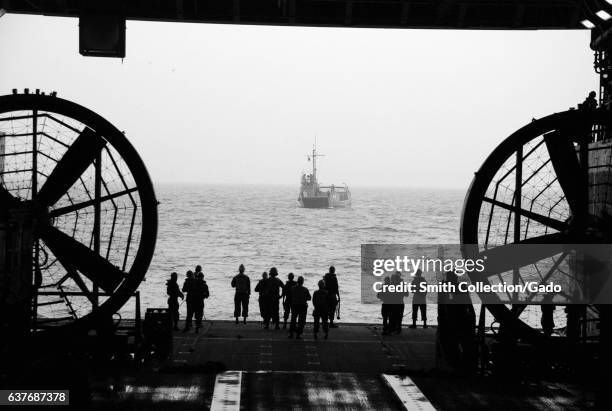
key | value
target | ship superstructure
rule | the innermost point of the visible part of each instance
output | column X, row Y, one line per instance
column 314, row 195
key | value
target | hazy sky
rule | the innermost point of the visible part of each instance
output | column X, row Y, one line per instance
column 243, row 104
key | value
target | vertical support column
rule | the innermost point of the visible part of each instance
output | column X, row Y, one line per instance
column 4, row 266
column 34, row 153
column 584, row 165
column 37, row 279
column 97, row 217
column 518, row 193
column 603, row 67
column 482, row 352
column 605, row 362
column 2, row 155
column 586, row 195
column 589, row 206
column 138, row 319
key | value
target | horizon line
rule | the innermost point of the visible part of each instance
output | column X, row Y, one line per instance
column 198, row 183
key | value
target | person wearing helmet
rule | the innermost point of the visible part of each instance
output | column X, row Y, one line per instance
column 274, row 288
column 331, row 285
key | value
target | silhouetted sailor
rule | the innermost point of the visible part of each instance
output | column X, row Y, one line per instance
column 200, row 293
column 547, row 320
column 456, row 326
column 387, row 306
column 398, row 306
column 261, row 289
column 173, row 291
column 574, row 314
column 333, row 291
column 299, row 308
column 287, row 290
column 189, row 298
column 242, row 284
column 589, row 103
column 274, row 287
column 320, row 301
column 419, row 299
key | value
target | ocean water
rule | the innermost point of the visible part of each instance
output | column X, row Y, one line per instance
column 223, row 226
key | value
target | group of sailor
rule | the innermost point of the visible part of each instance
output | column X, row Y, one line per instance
column 293, row 294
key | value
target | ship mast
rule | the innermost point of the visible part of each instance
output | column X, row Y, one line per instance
column 314, row 162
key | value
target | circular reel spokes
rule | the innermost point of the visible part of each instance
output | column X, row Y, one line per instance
column 534, row 189
column 73, row 182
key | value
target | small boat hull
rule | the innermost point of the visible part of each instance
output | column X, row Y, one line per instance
column 315, row 202
column 323, row 202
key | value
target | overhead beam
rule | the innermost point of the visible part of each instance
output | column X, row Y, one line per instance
column 416, row 14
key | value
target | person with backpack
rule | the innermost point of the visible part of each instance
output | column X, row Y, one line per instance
column 242, row 284
column 274, row 288
column 173, row 291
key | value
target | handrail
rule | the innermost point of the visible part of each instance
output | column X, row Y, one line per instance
column 137, row 311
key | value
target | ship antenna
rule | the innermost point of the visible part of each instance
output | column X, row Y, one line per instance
column 314, row 160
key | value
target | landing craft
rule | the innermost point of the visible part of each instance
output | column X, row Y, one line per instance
column 313, row 195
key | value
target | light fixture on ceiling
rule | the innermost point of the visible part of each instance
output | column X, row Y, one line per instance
column 604, row 15
column 587, row 23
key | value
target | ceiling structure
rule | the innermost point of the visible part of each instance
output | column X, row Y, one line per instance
column 415, row 14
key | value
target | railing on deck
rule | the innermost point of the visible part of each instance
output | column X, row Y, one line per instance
column 131, row 327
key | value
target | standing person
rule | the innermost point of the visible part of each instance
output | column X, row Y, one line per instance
column 331, row 285
column 261, row 289
column 419, row 299
column 287, row 290
column 573, row 314
column 589, row 103
column 547, row 320
column 320, row 301
column 189, row 298
column 200, row 293
column 387, row 307
column 299, row 308
column 397, row 313
column 274, row 287
column 242, row 284
column 173, row 291
column 456, row 326
column 198, row 269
